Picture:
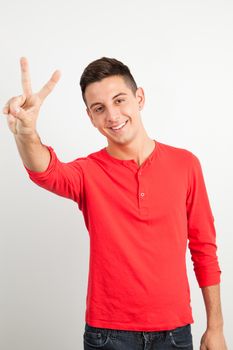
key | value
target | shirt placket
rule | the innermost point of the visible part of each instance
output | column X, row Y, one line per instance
column 142, row 186
column 142, row 194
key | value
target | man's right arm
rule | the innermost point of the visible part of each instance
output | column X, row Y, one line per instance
column 41, row 162
column 22, row 113
column 35, row 155
column 47, row 171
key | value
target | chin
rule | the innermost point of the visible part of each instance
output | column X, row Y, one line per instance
column 120, row 141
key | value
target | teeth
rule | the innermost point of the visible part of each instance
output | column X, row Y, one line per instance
column 119, row 126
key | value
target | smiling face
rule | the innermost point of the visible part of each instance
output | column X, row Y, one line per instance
column 114, row 109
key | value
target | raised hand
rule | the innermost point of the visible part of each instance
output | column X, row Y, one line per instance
column 22, row 111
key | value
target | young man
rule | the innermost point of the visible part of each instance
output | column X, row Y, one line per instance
column 142, row 202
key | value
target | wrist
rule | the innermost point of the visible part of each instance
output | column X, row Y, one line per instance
column 31, row 137
column 215, row 326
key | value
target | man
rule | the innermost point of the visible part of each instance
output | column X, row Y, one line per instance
column 142, row 201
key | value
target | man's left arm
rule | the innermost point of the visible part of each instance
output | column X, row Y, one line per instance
column 202, row 245
column 213, row 338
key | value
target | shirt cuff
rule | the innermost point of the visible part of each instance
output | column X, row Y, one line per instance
column 38, row 174
column 209, row 280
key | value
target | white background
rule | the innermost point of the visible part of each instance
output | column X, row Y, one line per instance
column 181, row 53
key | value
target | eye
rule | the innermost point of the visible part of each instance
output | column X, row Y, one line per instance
column 120, row 100
column 97, row 110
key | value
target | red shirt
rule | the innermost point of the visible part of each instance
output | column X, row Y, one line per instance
column 140, row 220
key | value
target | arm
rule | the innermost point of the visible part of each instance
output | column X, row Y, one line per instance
column 203, row 248
column 63, row 179
column 211, row 296
column 213, row 338
column 40, row 161
column 34, row 154
column 201, row 228
column 22, row 113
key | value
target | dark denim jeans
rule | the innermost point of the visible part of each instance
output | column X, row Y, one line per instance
column 112, row 339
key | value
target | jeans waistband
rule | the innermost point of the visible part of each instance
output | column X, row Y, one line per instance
column 111, row 331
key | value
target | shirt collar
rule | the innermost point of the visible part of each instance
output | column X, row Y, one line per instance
column 130, row 162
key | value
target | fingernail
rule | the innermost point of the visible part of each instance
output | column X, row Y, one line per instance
column 17, row 109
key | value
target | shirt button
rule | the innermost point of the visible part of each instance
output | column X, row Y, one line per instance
column 142, row 194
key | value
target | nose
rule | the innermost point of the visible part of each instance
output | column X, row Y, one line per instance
column 113, row 114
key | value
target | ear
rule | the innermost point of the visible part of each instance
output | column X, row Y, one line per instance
column 140, row 96
column 90, row 116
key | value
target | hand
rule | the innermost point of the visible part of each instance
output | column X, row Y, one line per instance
column 213, row 340
column 22, row 111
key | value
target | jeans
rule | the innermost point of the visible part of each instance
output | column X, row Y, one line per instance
column 112, row 339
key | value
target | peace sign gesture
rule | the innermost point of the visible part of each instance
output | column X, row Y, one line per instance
column 22, row 111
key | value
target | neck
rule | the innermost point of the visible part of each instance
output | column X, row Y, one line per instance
column 138, row 149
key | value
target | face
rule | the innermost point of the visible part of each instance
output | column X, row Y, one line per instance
column 114, row 110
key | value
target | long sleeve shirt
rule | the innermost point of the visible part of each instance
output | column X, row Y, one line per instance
column 140, row 220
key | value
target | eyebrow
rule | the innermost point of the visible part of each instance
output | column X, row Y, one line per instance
column 97, row 103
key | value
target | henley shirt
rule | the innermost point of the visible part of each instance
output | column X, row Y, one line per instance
column 140, row 220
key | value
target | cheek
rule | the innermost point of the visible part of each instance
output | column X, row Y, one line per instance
column 130, row 112
column 127, row 110
column 97, row 121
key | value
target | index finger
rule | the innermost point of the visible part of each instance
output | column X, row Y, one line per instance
column 25, row 76
column 49, row 86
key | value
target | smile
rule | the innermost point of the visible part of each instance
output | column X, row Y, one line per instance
column 119, row 127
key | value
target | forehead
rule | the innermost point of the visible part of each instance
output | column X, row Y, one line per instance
column 106, row 88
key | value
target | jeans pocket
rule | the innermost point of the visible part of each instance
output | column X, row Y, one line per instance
column 94, row 339
column 181, row 337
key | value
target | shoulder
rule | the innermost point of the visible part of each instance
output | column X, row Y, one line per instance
column 88, row 160
column 179, row 153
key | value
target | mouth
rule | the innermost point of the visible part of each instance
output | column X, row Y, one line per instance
column 118, row 128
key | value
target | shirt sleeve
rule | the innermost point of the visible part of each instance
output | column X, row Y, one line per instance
column 201, row 229
column 63, row 179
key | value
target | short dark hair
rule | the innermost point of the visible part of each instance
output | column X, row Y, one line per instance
column 105, row 67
